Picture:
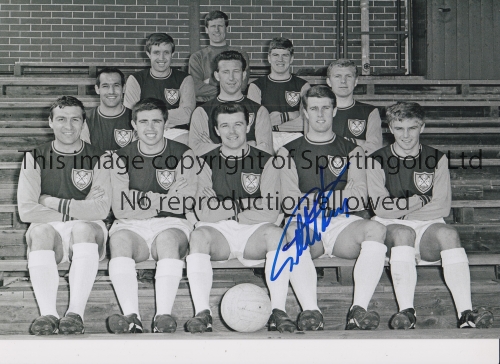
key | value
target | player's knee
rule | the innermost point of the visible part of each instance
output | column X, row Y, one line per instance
column 120, row 244
column 171, row 241
column 403, row 236
column 42, row 237
column 375, row 231
column 272, row 237
column 83, row 232
column 199, row 241
column 448, row 237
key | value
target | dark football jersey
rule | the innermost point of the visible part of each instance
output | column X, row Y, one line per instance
column 332, row 157
column 155, row 173
column 110, row 132
column 236, row 177
column 164, row 88
column 281, row 96
column 411, row 175
column 351, row 122
column 66, row 176
column 250, row 105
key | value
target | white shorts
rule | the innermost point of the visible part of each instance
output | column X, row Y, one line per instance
column 335, row 227
column 281, row 138
column 149, row 229
column 419, row 226
column 174, row 133
column 237, row 236
column 64, row 230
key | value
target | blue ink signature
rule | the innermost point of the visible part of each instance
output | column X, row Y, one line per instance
column 310, row 217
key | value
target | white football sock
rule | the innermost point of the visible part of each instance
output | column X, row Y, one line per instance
column 200, row 276
column 404, row 275
column 82, row 275
column 304, row 282
column 124, row 278
column 367, row 271
column 168, row 275
column 279, row 287
column 45, row 280
column 457, row 277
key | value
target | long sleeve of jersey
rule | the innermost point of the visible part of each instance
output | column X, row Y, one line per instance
column 212, row 210
column 289, row 181
column 440, row 204
column 132, row 92
column 264, row 209
column 29, row 190
column 199, row 126
column 254, row 93
column 125, row 202
column 357, row 173
column 187, row 103
column 168, row 202
column 386, row 206
column 85, row 134
column 263, row 132
column 202, row 90
column 373, row 140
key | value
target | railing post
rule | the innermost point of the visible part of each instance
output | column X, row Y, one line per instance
column 365, row 37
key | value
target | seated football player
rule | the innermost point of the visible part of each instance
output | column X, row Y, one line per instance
column 409, row 185
column 174, row 87
column 280, row 93
column 64, row 192
column 356, row 121
column 153, row 182
column 235, row 219
column 108, row 125
column 324, row 168
column 230, row 74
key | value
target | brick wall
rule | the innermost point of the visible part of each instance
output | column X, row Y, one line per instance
column 105, row 30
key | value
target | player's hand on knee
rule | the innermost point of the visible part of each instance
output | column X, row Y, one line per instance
column 209, row 192
column 178, row 185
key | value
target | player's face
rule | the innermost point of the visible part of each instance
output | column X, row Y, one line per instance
column 216, row 30
column 230, row 76
column 67, row 124
column 342, row 81
column 320, row 113
column 160, row 56
column 232, row 129
column 407, row 134
column 149, row 126
column 280, row 60
column 110, row 90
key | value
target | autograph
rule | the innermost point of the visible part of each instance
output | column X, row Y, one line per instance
column 303, row 240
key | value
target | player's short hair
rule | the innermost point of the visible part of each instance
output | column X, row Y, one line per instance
column 229, row 108
column 405, row 110
column 108, row 70
column 342, row 62
column 157, row 39
column 216, row 14
column 230, row 56
column 319, row 91
column 64, row 101
column 148, row 104
column 281, row 43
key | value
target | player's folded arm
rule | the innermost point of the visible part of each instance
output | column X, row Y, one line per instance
column 196, row 70
column 263, row 131
column 199, row 126
column 28, row 194
column 132, row 92
column 373, row 133
column 187, row 103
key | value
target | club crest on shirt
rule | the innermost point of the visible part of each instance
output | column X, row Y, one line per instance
column 292, row 98
column 423, row 181
column 336, row 164
column 251, row 118
column 356, row 126
column 250, row 182
column 82, row 178
column 171, row 95
column 165, row 177
column 123, row 137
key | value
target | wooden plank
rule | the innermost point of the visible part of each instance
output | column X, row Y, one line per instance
column 487, row 39
column 4, row 132
column 436, row 40
column 462, row 11
column 450, row 41
column 496, row 36
column 475, row 36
